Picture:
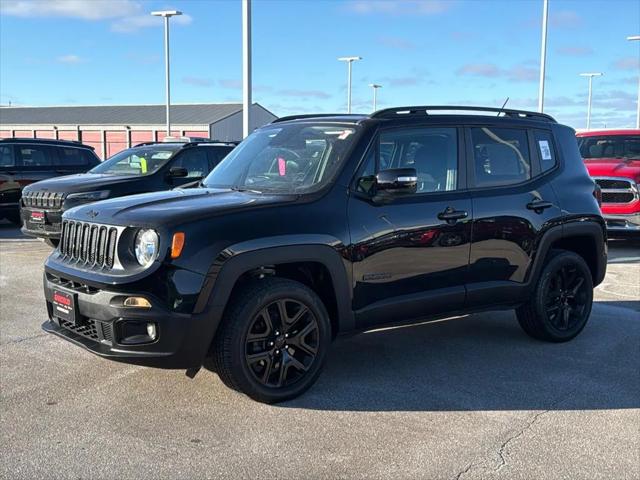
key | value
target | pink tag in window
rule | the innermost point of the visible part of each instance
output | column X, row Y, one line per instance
column 282, row 166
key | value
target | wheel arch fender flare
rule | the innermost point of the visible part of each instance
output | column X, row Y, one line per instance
column 240, row 258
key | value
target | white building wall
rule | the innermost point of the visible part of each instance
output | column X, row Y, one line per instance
column 230, row 128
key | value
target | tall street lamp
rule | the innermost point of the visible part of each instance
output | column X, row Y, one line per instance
column 636, row 38
column 590, row 75
column 167, row 14
column 543, row 54
column 349, row 61
column 375, row 87
column 246, row 68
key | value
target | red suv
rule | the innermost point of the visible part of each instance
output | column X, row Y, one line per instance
column 613, row 160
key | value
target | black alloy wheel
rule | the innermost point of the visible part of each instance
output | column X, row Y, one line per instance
column 566, row 298
column 282, row 343
column 560, row 303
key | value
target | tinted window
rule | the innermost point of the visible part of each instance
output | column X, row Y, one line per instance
column 34, row 155
column 70, row 157
column 144, row 160
column 501, row 156
column 6, row 156
column 433, row 152
column 216, row 154
column 195, row 161
column 546, row 150
column 612, row 146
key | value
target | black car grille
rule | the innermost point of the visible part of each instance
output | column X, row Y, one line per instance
column 89, row 244
column 618, row 190
column 617, row 197
column 43, row 199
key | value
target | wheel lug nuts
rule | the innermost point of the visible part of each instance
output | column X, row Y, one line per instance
column 277, row 351
column 286, row 335
column 271, row 344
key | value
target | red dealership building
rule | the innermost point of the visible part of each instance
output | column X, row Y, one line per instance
column 111, row 128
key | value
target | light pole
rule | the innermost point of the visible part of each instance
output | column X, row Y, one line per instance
column 246, row 68
column 543, row 54
column 590, row 75
column 375, row 87
column 636, row 38
column 167, row 14
column 349, row 61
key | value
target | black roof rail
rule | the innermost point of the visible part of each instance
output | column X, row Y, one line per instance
column 235, row 143
column 424, row 110
column 53, row 141
column 314, row 115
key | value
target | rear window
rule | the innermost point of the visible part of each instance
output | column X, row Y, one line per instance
column 610, row 146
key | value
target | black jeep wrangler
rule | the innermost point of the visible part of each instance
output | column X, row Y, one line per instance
column 320, row 225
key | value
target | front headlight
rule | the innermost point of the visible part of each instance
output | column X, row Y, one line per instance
column 89, row 196
column 146, row 247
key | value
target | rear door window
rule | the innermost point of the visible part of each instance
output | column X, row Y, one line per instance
column 73, row 157
column 216, row 154
column 6, row 156
column 35, row 156
column 500, row 156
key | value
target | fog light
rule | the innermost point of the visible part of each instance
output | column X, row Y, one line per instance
column 151, row 330
column 138, row 302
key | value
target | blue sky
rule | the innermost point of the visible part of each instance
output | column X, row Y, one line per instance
column 75, row 52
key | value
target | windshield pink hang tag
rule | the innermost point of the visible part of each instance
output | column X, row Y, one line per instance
column 282, row 166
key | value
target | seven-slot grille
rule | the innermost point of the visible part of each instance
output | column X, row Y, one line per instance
column 617, row 190
column 88, row 243
column 43, row 199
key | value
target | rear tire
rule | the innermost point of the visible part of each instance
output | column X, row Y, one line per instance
column 273, row 340
column 52, row 242
column 561, row 302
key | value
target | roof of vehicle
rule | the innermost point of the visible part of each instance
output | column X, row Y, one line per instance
column 437, row 111
column 609, row 131
column 49, row 141
column 184, row 144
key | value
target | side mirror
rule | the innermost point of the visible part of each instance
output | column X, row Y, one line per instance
column 178, row 172
column 397, row 181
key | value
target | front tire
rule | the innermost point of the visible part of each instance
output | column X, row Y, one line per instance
column 562, row 300
column 273, row 340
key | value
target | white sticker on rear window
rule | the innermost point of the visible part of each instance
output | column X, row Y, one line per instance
column 545, row 151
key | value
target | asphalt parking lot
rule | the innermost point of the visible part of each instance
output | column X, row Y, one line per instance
column 465, row 398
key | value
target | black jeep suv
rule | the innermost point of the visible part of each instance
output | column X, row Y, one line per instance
column 147, row 167
column 320, row 225
column 27, row 160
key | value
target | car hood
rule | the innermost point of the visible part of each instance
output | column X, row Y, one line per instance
column 172, row 206
column 614, row 167
column 81, row 182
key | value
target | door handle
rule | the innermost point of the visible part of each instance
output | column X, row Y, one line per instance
column 539, row 206
column 451, row 216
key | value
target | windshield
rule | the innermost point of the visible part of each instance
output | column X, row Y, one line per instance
column 295, row 158
column 137, row 161
column 612, row 146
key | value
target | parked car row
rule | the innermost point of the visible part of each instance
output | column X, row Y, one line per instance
column 147, row 167
column 315, row 226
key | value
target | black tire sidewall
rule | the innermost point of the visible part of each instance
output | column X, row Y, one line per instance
column 558, row 261
column 278, row 289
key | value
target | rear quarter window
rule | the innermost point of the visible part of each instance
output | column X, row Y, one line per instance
column 546, row 150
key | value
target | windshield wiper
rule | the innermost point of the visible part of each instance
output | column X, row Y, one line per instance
column 240, row 188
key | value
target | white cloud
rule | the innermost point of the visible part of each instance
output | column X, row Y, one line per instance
column 136, row 22
column 69, row 59
column 84, row 9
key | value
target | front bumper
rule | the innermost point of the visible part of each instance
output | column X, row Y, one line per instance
column 49, row 228
column 623, row 223
column 182, row 339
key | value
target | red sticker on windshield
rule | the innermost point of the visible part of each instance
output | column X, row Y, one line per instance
column 282, row 166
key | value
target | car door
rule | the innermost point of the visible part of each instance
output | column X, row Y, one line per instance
column 513, row 203
column 410, row 254
column 195, row 160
